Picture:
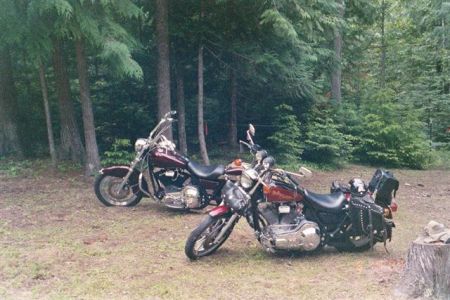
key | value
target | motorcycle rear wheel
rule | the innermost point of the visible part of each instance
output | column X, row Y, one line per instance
column 201, row 241
column 106, row 190
column 350, row 247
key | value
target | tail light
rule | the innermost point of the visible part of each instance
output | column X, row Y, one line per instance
column 348, row 196
column 266, row 189
column 394, row 206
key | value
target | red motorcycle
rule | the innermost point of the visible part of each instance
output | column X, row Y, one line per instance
column 286, row 216
column 160, row 172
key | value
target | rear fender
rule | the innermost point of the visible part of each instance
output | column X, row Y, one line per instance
column 220, row 211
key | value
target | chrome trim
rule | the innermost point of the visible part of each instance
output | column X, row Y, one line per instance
column 141, row 188
column 225, row 229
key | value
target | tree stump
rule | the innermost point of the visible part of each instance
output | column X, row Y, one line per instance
column 427, row 271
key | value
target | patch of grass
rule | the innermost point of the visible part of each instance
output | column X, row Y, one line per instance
column 441, row 160
column 58, row 242
column 294, row 167
column 14, row 168
column 38, row 271
column 66, row 167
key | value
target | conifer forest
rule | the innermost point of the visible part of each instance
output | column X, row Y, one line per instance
column 322, row 81
column 343, row 104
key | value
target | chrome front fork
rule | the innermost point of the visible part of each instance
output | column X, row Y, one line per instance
column 125, row 179
column 226, row 227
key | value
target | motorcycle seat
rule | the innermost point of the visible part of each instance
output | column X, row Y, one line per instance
column 329, row 202
column 206, row 172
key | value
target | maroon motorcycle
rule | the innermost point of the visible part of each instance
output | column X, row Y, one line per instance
column 286, row 216
column 159, row 172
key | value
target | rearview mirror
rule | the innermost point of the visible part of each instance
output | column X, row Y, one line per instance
column 171, row 113
column 251, row 129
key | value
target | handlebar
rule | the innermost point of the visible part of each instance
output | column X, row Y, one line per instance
column 166, row 118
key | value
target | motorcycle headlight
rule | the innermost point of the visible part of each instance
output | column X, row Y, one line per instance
column 260, row 155
column 139, row 145
column 247, row 178
column 268, row 162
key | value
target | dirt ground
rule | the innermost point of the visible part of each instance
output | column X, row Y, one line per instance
column 57, row 241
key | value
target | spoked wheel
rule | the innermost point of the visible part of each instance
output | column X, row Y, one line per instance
column 107, row 190
column 202, row 241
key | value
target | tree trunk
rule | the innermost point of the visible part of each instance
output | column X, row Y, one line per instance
column 201, row 126
column 427, row 271
column 162, row 37
column 201, row 129
column 383, row 47
column 71, row 146
column 232, row 134
column 92, row 163
column 181, row 111
column 48, row 117
column 9, row 137
column 336, row 75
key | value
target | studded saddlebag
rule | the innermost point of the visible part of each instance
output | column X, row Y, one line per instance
column 367, row 218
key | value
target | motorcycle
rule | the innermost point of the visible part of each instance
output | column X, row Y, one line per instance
column 286, row 216
column 158, row 171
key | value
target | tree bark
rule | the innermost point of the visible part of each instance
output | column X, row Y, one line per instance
column 181, row 111
column 427, row 271
column 200, row 123
column 162, row 37
column 336, row 75
column 9, row 136
column 48, row 117
column 232, row 134
column 201, row 126
column 71, row 146
column 383, row 47
column 92, row 163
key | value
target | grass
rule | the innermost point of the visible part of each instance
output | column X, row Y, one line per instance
column 57, row 242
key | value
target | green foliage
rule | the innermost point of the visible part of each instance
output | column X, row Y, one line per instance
column 392, row 133
column 14, row 168
column 325, row 143
column 118, row 55
column 119, row 154
column 286, row 139
column 282, row 53
column 441, row 159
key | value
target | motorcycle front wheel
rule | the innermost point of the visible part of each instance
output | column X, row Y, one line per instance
column 107, row 191
column 201, row 241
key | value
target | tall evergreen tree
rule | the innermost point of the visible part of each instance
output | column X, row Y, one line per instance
column 70, row 139
column 9, row 137
column 336, row 74
column 162, row 38
column 9, row 36
column 200, row 103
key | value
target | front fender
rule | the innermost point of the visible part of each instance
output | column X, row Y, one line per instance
column 219, row 211
column 117, row 171
column 122, row 171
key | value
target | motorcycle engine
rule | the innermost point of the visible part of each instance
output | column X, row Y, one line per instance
column 191, row 196
column 288, row 229
column 182, row 198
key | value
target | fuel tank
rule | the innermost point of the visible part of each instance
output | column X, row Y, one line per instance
column 234, row 171
column 164, row 158
column 277, row 191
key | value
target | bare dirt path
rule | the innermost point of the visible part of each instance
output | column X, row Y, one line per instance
column 58, row 241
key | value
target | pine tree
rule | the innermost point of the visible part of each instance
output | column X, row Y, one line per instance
column 286, row 139
column 325, row 142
